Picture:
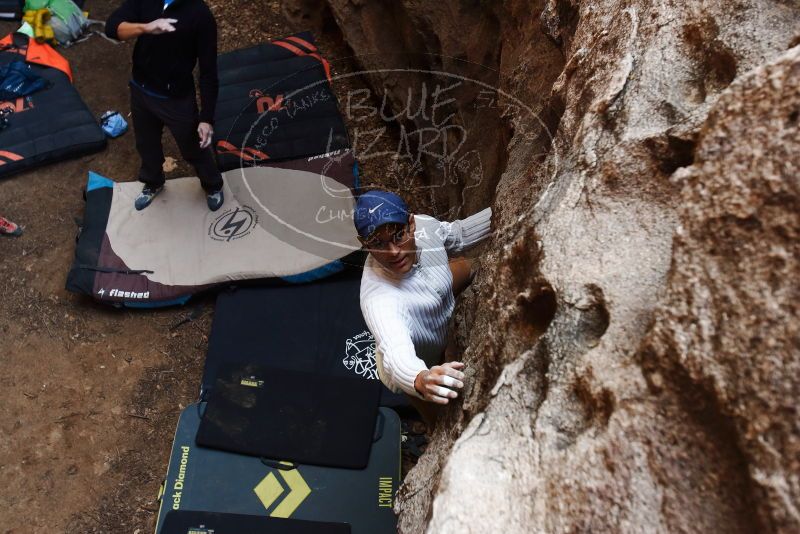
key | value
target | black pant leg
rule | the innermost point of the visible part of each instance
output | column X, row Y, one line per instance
column 147, row 128
column 182, row 120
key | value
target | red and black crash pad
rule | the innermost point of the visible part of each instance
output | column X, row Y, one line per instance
column 50, row 124
column 276, row 102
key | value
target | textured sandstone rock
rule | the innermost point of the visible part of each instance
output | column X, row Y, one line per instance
column 728, row 326
column 632, row 336
column 696, row 430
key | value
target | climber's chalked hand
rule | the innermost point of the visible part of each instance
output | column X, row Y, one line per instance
column 439, row 383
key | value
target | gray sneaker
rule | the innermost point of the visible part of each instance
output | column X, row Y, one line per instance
column 215, row 200
column 146, row 197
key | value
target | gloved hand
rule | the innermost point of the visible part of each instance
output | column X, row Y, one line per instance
column 160, row 26
column 439, row 383
column 206, row 132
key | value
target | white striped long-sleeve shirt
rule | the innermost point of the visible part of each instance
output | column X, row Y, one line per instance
column 408, row 315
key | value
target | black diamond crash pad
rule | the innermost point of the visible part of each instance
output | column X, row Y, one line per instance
column 201, row 479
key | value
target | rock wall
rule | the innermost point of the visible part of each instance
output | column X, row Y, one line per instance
column 632, row 337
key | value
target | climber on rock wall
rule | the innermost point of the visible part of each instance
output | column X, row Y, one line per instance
column 408, row 292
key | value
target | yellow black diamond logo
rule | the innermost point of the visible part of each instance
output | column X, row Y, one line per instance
column 270, row 490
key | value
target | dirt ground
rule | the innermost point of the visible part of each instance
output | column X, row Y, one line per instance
column 89, row 395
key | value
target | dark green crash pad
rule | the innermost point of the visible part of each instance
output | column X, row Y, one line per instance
column 210, row 480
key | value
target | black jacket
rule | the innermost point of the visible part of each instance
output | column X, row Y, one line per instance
column 164, row 63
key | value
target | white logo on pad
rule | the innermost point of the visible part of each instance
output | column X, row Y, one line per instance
column 360, row 355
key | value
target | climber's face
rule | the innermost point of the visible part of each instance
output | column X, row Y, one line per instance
column 393, row 246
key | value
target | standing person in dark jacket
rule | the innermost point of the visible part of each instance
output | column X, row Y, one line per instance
column 171, row 37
